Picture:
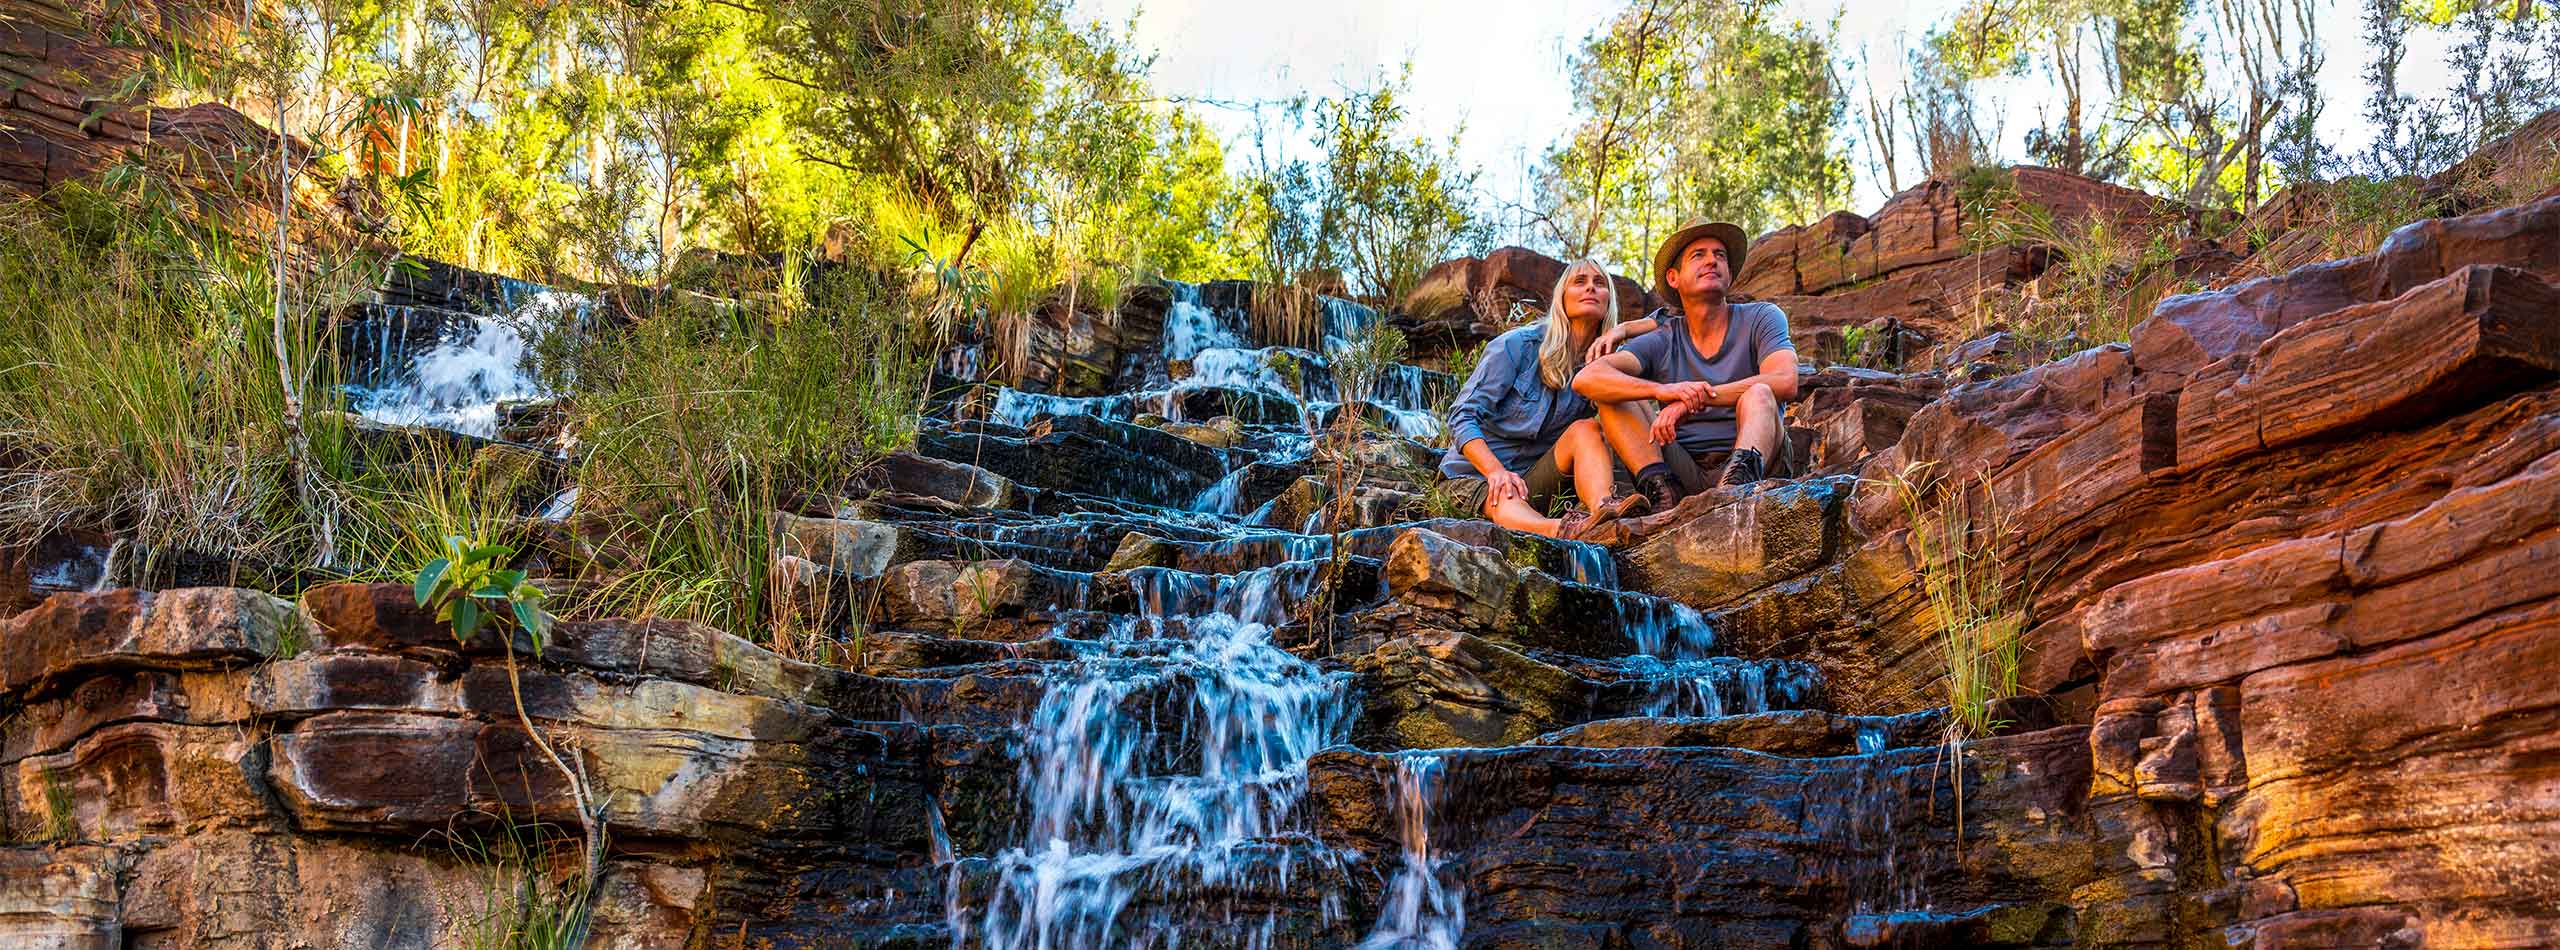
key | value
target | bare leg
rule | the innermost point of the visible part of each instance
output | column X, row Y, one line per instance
column 1516, row 515
column 1756, row 421
column 1583, row 453
column 1628, row 427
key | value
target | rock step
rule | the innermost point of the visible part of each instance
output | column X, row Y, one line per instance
column 1444, row 689
column 1796, row 733
column 1289, row 891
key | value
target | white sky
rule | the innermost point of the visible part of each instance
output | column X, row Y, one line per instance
column 1500, row 70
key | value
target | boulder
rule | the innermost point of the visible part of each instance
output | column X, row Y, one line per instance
column 1437, row 690
column 1720, row 545
column 1462, row 302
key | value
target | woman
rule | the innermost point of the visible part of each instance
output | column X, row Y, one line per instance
column 1518, row 429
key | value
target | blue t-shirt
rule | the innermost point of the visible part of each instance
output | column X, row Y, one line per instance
column 1752, row 332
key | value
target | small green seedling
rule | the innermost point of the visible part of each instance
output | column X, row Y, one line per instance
column 470, row 586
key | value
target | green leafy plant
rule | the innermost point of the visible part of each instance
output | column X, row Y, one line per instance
column 471, row 584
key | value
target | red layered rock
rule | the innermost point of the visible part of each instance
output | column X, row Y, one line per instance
column 2189, row 331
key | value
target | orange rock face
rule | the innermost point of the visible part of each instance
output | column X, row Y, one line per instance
column 2295, row 556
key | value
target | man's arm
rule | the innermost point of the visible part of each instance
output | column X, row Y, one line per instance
column 1613, row 379
column 1777, row 369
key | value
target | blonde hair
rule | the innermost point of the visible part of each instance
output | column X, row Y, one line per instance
column 1557, row 357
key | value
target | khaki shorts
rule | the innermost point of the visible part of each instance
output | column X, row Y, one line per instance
column 1699, row 472
column 1546, row 481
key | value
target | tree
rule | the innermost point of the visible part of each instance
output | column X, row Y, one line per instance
column 1695, row 107
column 1381, row 206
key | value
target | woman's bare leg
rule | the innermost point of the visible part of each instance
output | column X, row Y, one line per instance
column 1517, row 515
column 1583, row 453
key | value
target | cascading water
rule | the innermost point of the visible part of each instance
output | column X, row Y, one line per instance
column 478, row 363
column 1676, row 659
column 1134, row 816
column 1210, row 344
column 1425, row 909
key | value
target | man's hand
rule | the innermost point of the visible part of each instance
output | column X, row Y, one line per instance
column 1602, row 345
column 1506, row 485
column 1666, row 424
column 1688, row 395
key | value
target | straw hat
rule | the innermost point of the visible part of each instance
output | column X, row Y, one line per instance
column 1735, row 246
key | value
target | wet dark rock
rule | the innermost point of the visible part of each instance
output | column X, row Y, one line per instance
column 1788, row 732
column 1085, row 455
column 1603, row 844
column 1443, row 690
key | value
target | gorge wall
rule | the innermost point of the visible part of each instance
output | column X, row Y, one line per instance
column 2296, row 551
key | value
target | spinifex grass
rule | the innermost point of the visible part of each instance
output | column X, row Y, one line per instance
column 2106, row 274
column 141, row 387
column 1963, row 547
column 531, row 890
column 400, row 509
column 698, row 424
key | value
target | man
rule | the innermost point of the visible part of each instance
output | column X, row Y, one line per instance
column 1719, row 369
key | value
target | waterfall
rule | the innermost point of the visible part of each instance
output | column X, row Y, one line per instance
column 1423, row 910
column 1163, row 771
column 1158, row 770
column 477, row 363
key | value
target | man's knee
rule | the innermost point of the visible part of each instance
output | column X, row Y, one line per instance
column 1759, row 401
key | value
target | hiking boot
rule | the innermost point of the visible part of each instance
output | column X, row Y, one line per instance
column 1662, row 490
column 1590, row 528
column 1744, row 468
column 1629, row 505
column 1577, row 525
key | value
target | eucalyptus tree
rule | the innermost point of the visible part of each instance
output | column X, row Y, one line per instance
column 1688, row 107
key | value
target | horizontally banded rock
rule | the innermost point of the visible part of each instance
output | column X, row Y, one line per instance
column 1918, row 261
column 2188, row 332
column 1603, row 847
column 72, row 635
column 2291, row 552
column 224, row 770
